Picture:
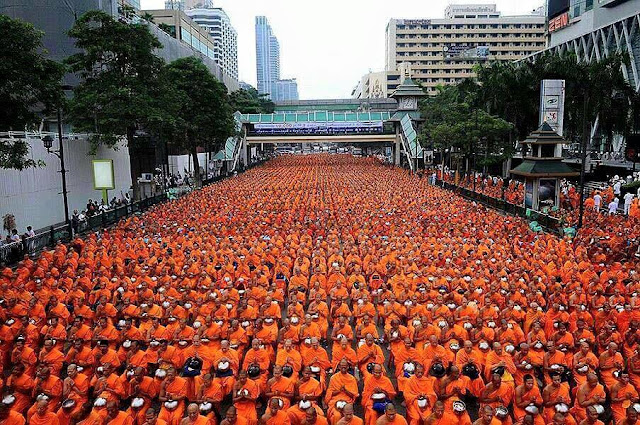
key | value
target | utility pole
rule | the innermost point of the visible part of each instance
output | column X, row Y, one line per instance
column 583, row 155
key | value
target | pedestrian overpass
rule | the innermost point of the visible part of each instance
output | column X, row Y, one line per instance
column 390, row 123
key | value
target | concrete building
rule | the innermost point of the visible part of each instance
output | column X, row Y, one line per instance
column 377, row 85
column 444, row 51
column 194, row 41
column 267, row 57
column 187, row 4
column 591, row 30
column 225, row 37
column 286, row 90
column 245, row 86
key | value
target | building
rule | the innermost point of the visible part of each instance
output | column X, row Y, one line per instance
column 377, row 85
column 267, row 57
column 286, row 90
column 444, row 51
column 591, row 30
column 225, row 38
column 133, row 3
column 187, row 4
column 193, row 38
column 245, row 86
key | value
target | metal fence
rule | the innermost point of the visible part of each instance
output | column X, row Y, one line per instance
column 12, row 253
column 545, row 221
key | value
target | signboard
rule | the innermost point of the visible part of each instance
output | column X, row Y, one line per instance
column 528, row 193
column 103, row 175
column 552, row 104
column 559, row 22
column 414, row 21
column 318, row 128
column 465, row 51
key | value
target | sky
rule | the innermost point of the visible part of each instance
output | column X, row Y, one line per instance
column 328, row 45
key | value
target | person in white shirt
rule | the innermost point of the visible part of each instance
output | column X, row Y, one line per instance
column 616, row 187
column 30, row 233
column 628, row 198
column 597, row 201
column 613, row 206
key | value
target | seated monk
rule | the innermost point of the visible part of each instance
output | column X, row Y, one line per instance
column 526, row 394
column 631, row 417
column 369, row 352
column 9, row 416
column 375, row 383
column 440, row 417
column 274, row 415
column 496, row 393
column 290, row 356
column 610, row 361
column 556, row 393
column 245, row 394
column 623, row 395
column 280, row 388
column 453, row 387
column 194, row 417
column 144, row 387
column 348, row 417
column 307, row 390
column 342, row 387
column 419, row 387
column 314, row 418
column 391, row 417
column 21, row 386
column 231, row 418
column 172, row 389
column 50, row 386
column 589, row 394
column 75, row 387
column 43, row 414
column 115, row 416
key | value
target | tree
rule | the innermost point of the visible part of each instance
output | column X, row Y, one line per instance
column 453, row 120
column 198, row 109
column 249, row 101
column 30, row 87
column 119, row 72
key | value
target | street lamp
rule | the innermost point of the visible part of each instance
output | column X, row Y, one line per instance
column 47, row 141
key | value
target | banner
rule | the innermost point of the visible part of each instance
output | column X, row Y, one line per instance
column 318, row 128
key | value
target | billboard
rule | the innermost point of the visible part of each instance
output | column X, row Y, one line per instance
column 552, row 104
column 319, row 127
column 103, row 175
column 556, row 7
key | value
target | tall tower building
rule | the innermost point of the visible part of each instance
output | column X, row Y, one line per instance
column 216, row 22
column 267, row 57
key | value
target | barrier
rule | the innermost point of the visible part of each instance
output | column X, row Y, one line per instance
column 543, row 221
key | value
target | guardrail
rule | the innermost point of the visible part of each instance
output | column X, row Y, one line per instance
column 545, row 221
column 11, row 253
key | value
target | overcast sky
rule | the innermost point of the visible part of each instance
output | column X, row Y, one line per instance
column 329, row 44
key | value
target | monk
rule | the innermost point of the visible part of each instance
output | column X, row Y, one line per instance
column 314, row 418
column 173, row 391
column 232, row 418
column 439, row 416
column 610, row 361
column 526, row 394
column 342, row 387
column 496, row 393
column 50, row 386
column 194, row 417
column 280, row 388
column 391, row 417
column 556, row 393
column 623, row 395
column 43, row 414
column 9, row 416
column 115, row 416
column 348, row 417
column 75, row 387
column 307, row 389
column 245, row 394
column 419, row 386
column 274, row 414
column 376, row 384
column 487, row 417
column 21, row 386
column 589, row 394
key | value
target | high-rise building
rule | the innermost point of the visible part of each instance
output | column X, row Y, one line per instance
column 286, row 90
column 187, row 4
column 379, row 85
column 216, row 22
column 444, row 51
column 267, row 56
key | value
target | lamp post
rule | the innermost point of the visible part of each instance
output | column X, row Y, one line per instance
column 47, row 141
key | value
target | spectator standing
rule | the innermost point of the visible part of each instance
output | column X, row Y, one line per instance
column 628, row 199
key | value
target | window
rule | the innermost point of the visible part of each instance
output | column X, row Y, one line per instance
column 185, row 35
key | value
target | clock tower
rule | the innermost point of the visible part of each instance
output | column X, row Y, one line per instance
column 408, row 94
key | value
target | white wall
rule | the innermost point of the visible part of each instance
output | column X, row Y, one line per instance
column 179, row 163
column 34, row 195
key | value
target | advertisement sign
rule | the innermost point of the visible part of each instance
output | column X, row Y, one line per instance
column 103, row 175
column 552, row 104
column 547, row 193
column 528, row 194
column 559, row 22
column 318, row 127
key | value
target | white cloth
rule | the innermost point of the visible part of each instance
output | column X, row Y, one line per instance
column 616, row 188
column 613, row 206
column 597, row 199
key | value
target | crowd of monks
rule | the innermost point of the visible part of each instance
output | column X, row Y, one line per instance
column 326, row 290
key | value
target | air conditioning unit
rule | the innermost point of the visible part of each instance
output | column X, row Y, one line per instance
column 146, row 178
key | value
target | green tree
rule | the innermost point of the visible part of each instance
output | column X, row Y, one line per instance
column 249, row 101
column 197, row 109
column 119, row 73
column 454, row 121
column 30, row 87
